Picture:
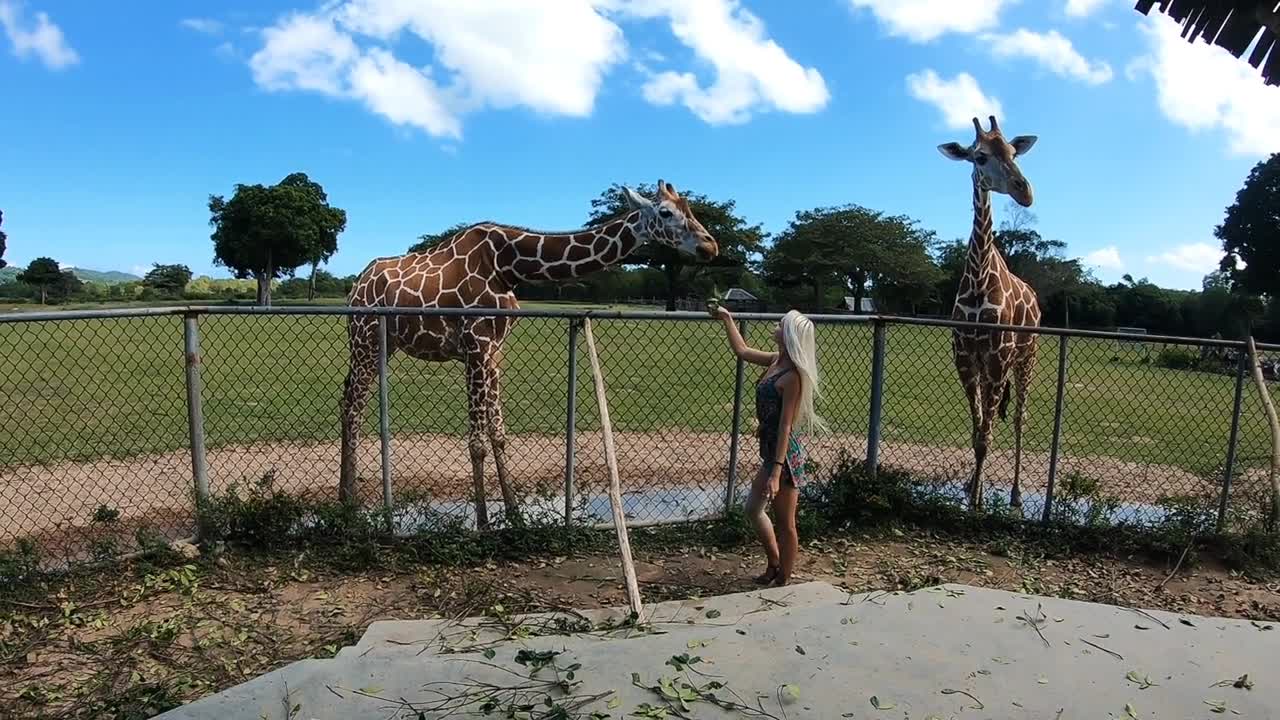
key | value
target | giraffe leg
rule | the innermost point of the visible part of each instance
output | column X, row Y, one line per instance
column 972, row 392
column 355, row 397
column 1023, row 372
column 498, row 437
column 476, row 417
column 990, row 399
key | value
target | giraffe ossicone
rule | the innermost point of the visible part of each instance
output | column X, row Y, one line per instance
column 481, row 267
column 991, row 363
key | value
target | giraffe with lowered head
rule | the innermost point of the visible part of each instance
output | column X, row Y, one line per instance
column 989, row 362
column 480, row 267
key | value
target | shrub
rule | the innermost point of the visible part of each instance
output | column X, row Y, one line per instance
column 1178, row 358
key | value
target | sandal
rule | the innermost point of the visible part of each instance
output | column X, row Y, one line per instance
column 768, row 577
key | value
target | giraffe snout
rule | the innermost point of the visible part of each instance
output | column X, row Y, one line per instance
column 1020, row 191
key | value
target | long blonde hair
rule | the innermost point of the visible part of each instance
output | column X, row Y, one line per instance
column 798, row 340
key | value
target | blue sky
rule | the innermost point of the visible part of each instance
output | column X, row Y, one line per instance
column 417, row 115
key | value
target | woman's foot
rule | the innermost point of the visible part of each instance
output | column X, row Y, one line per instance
column 780, row 581
column 768, row 577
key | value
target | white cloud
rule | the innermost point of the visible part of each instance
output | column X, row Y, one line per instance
column 551, row 58
column 752, row 72
column 1192, row 257
column 959, row 99
column 40, row 38
column 1083, row 8
column 924, row 20
column 1107, row 258
column 1203, row 87
column 1052, row 50
column 207, row 26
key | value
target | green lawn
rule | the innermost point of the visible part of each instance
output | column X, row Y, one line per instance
column 91, row 388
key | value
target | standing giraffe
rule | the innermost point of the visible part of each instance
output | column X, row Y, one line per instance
column 988, row 361
column 480, row 267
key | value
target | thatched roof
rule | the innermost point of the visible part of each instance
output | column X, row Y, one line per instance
column 1229, row 24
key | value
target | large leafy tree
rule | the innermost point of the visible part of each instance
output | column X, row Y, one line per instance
column 52, row 282
column 167, row 279
column 268, row 232
column 1250, row 232
column 740, row 242
column 855, row 249
column 3, row 238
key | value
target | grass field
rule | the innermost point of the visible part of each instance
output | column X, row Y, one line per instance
column 109, row 388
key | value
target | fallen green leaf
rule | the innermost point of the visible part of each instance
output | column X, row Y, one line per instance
column 1216, row 706
column 800, row 650
column 1142, row 681
column 713, row 614
column 791, row 692
column 490, row 654
column 614, row 702
column 1042, row 680
column 371, row 690
column 1130, row 711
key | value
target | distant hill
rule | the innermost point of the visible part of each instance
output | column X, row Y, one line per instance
column 110, row 277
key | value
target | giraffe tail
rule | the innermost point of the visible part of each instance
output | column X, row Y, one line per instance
column 1004, row 400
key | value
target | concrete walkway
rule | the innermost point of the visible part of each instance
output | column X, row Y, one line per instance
column 807, row 651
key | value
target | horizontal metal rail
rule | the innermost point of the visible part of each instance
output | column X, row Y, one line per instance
column 685, row 316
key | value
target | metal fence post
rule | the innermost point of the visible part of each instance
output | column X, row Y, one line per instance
column 1232, row 439
column 384, row 417
column 877, row 396
column 195, row 413
column 1056, row 442
column 731, row 485
column 570, row 423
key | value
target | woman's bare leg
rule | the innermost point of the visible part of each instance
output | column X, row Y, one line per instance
column 788, row 540
column 757, row 502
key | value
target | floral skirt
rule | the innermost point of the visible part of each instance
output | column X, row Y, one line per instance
column 797, row 467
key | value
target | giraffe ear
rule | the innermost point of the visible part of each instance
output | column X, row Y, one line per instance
column 954, row 151
column 1022, row 144
column 635, row 200
column 667, row 189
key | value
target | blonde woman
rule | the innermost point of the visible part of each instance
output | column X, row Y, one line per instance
column 785, row 396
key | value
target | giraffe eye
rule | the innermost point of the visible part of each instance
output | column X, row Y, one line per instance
column 980, row 159
column 664, row 212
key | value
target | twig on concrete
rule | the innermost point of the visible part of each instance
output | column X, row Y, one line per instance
column 1146, row 614
column 949, row 691
column 1112, row 653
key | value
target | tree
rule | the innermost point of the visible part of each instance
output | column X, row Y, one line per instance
column 856, row 249
column 3, row 238
column 167, row 279
column 740, row 243
column 427, row 241
column 268, row 232
column 43, row 274
column 1250, row 232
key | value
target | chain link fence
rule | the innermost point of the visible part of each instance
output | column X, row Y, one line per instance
column 115, row 421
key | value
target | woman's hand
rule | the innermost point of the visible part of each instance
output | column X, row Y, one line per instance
column 718, row 311
column 775, row 480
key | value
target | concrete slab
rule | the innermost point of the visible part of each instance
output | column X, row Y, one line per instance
column 438, row 636
column 951, row 651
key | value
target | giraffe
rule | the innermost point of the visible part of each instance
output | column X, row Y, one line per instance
column 480, row 267
column 989, row 361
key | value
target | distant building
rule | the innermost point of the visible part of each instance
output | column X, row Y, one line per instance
column 868, row 306
column 740, row 300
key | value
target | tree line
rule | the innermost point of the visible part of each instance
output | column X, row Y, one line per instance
column 826, row 259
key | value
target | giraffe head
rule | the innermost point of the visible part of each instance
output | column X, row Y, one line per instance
column 668, row 220
column 993, row 160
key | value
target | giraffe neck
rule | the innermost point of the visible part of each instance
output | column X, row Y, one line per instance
column 984, row 261
column 532, row 256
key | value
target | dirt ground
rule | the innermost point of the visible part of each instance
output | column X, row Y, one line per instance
column 54, row 504
column 137, row 642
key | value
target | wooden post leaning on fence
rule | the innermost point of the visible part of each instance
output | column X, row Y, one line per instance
column 615, row 489
column 1270, row 409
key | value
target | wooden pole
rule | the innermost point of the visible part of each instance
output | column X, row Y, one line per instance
column 1270, row 409
column 615, row 489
